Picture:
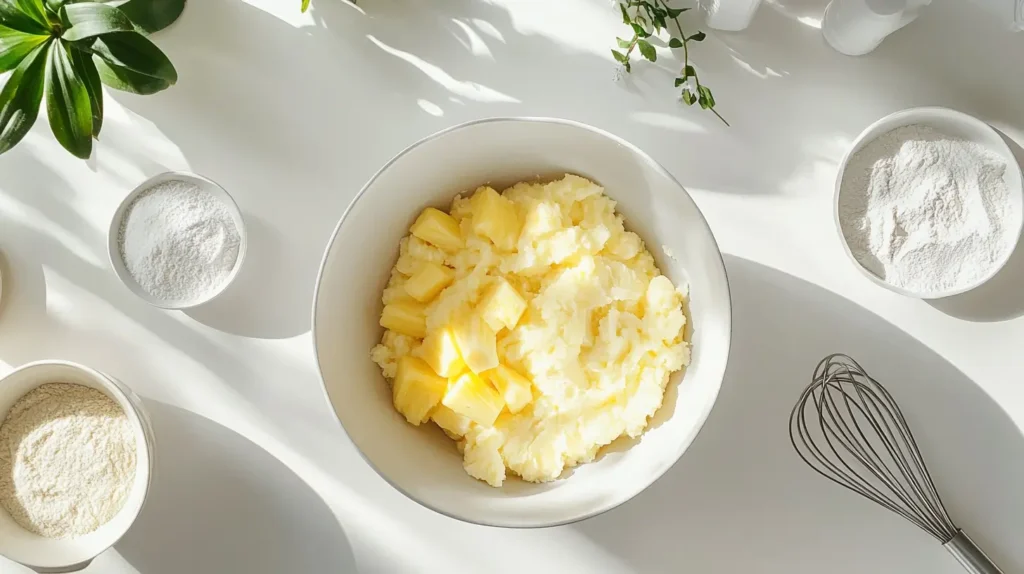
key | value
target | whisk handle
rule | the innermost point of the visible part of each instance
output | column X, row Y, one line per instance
column 967, row 553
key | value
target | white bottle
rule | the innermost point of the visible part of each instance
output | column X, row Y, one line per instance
column 729, row 15
column 856, row 27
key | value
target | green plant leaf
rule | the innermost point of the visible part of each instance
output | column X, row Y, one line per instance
column 624, row 44
column 15, row 45
column 67, row 104
column 620, row 57
column 85, row 69
column 680, row 81
column 639, row 30
column 305, row 5
column 13, row 16
column 689, row 72
column 90, row 19
column 676, row 12
column 688, row 97
column 705, row 94
column 54, row 6
column 127, row 80
column 625, row 15
column 20, row 98
column 35, row 10
column 675, row 43
column 698, row 37
column 134, row 52
column 152, row 15
column 647, row 50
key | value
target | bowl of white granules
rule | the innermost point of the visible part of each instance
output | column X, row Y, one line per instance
column 76, row 455
column 929, row 203
column 177, row 241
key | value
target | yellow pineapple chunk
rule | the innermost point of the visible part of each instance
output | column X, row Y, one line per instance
column 474, row 398
column 516, row 389
column 405, row 317
column 494, row 217
column 450, row 421
column 477, row 343
column 438, row 228
column 417, row 390
column 441, row 353
column 502, row 306
column 428, row 281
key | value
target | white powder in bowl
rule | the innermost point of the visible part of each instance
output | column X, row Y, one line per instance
column 927, row 212
column 179, row 242
column 67, row 460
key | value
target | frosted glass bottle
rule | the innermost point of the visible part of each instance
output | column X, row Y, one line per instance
column 856, row 27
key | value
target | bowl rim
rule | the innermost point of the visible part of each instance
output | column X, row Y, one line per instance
column 113, row 249
column 903, row 118
column 137, row 413
column 521, row 119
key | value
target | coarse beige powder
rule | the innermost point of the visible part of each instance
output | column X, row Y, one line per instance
column 67, row 460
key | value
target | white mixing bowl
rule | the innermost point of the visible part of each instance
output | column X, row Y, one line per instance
column 420, row 461
column 74, row 554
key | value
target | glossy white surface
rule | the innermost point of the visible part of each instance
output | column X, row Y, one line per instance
column 294, row 113
column 422, row 462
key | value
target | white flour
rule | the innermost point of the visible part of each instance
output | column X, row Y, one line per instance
column 179, row 242
column 67, row 460
column 927, row 212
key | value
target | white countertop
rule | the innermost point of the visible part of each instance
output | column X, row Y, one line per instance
column 292, row 113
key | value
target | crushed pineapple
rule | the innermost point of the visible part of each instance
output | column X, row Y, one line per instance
column 502, row 306
column 428, row 281
column 474, row 398
column 513, row 387
column 567, row 328
column 438, row 228
column 441, row 353
column 405, row 317
column 417, row 390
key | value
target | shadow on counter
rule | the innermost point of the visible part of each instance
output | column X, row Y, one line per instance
column 1000, row 298
column 220, row 504
column 740, row 500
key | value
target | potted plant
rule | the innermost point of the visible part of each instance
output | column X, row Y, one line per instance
column 65, row 50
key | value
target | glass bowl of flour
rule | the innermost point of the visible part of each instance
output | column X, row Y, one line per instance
column 76, row 462
column 177, row 241
column 928, row 202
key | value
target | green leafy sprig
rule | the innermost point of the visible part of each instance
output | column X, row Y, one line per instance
column 65, row 50
column 647, row 18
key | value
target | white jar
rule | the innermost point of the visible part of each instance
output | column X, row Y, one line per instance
column 856, row 27
column 729, row 15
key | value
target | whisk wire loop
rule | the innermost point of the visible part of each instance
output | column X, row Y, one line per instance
column 849, row 429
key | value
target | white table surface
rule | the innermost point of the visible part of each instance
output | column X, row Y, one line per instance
column 292, row 113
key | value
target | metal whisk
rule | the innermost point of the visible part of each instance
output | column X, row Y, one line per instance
column 849, row 429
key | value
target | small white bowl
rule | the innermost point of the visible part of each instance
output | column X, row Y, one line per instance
column 114, row 248
column 72, row 554
column 420, row 461
column 953, row 123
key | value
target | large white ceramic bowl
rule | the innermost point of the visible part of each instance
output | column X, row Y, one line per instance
column 420, row 461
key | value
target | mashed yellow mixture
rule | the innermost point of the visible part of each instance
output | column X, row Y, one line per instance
column 531, row 327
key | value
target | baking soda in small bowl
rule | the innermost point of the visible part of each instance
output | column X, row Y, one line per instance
column 179, row 242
